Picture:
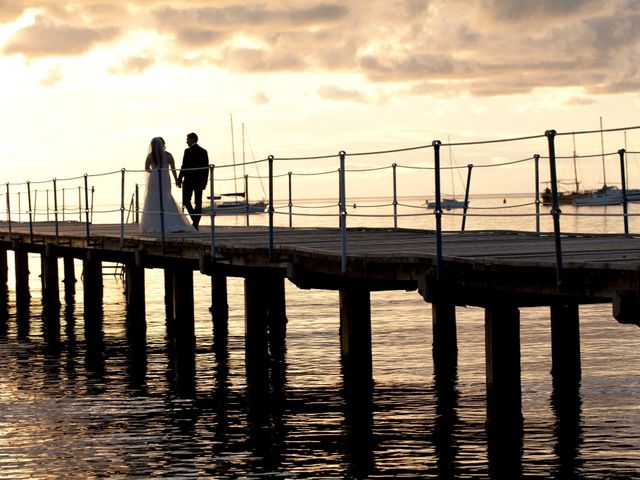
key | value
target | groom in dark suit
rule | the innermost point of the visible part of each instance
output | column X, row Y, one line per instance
column 194, row 173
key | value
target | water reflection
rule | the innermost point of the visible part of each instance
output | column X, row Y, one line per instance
column 359, row 441
column 566, row 404
column 95, row 350
column 504, row 449
column 446, row 423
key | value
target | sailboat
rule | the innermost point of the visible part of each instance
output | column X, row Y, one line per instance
column 606, row 195
column 448, row 203
column 237, row 202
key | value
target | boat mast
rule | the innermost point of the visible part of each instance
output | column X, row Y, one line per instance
column 233, row 153
column 604, row 172
column 575, row 169
column 453, row 187
column 626, row 159
column 243, row 160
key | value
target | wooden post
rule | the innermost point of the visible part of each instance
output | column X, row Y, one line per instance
column 22, row 279
column 185, row 337
column 565, row 345
column 69, row 277
column 277, row 317
column 136, row 323
column 219, row 310
column 502, row 346
column 255, row 322
column 445, row 345
column 4, row 291
column 184, row 330
column 355, row 335
column 168, row 306
column 4, row 276
column 50, row 283
column 92, row 289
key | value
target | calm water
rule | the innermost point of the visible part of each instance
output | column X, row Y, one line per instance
column 90, row 409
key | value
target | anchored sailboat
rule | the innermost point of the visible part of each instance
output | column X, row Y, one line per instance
column 448, row 203
column 237, row 202
column 606, row 195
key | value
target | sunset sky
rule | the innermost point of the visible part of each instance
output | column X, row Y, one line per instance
column 87, row 84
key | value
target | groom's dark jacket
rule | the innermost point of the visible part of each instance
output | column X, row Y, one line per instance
column 195, row 157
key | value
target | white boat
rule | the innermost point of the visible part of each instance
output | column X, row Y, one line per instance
column 447, row 203
column 607, row 195
column 237, row 203
column 235, row 207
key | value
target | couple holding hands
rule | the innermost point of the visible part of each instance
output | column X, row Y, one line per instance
column 193, row 177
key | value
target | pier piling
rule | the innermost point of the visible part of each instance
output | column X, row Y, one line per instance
column 256, row 329
column 445, row 345
column 502, row 347
column 92, row 294
column 50, row 282
column 219, row 309
column 135, row 294
column 22, row 278
column 565, row 344
column 277, row 316
column 69, row 277
column 355, row 335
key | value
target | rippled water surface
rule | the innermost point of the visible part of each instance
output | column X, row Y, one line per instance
column 82, row 408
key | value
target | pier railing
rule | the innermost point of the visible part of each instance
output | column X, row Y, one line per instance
column 388, row 175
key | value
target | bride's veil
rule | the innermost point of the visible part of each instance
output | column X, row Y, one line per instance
column 158, row 156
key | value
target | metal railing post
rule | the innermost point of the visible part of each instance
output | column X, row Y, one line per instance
column 555, row 208
column 137, row 203
column 9, row 214
column 55, row 207
column 536, row 160
column 270, row 159
column 343, row 209
column 625, row 213
column 395, row 195
column 212, row 212
column 122, row 174
column 466, row 197
column 80, row 203
column 290, row 201
column 47, row 202
column 29, row 211
column 86, row 207
column 438, row 210
column 63, row 204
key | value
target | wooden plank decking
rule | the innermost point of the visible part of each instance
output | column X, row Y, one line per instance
column 517, row 264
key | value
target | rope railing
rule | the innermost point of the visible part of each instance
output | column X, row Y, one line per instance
column 73, row 198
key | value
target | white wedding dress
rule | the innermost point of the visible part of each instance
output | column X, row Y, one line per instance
column 151, row 218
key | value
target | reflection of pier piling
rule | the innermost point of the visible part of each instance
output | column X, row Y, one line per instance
column 490, row 270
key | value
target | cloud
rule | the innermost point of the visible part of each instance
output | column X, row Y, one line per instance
column 525, row 10
column 133, row 65
column 579, row 101
column 260, row 98
column 333, row 92
column 45, row 38
column 52, row 78
column 10, row 10
column 231, row 17
column 434, row 47
column 251, row 60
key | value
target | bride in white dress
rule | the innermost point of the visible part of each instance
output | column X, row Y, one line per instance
column 157, row 195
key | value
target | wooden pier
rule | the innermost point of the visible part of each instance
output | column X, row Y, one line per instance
column 497, row 270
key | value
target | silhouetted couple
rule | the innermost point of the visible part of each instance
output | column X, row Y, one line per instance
column 158, row 202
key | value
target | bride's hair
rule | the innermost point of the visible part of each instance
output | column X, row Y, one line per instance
column 156, row 150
